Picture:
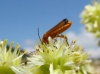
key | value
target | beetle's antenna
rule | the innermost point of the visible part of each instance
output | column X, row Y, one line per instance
column 39, row 36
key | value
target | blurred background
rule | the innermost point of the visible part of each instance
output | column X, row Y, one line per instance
column 20, row 19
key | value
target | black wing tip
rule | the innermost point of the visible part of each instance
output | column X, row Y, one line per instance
column 65, row 20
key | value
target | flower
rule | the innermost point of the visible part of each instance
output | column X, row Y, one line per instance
column 55, row 57
column 90, row 17
column 9, row 59
column 59, row 57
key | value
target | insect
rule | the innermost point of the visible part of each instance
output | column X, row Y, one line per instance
column 56, row 30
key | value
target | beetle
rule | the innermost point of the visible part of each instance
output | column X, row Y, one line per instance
column 56, row 30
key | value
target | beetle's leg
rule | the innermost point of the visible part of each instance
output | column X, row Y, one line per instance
column 65, row 37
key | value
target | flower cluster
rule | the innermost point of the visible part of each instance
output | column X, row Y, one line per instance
column 90, row 17
column 56, row 57
column 9, row 58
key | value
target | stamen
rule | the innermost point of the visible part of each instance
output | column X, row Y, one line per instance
column 5, row 41
column 17, row 46
column 25, row 52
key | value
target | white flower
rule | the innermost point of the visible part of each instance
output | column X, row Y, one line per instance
column 57, row 57
column 90, row 17
column 10, row 58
